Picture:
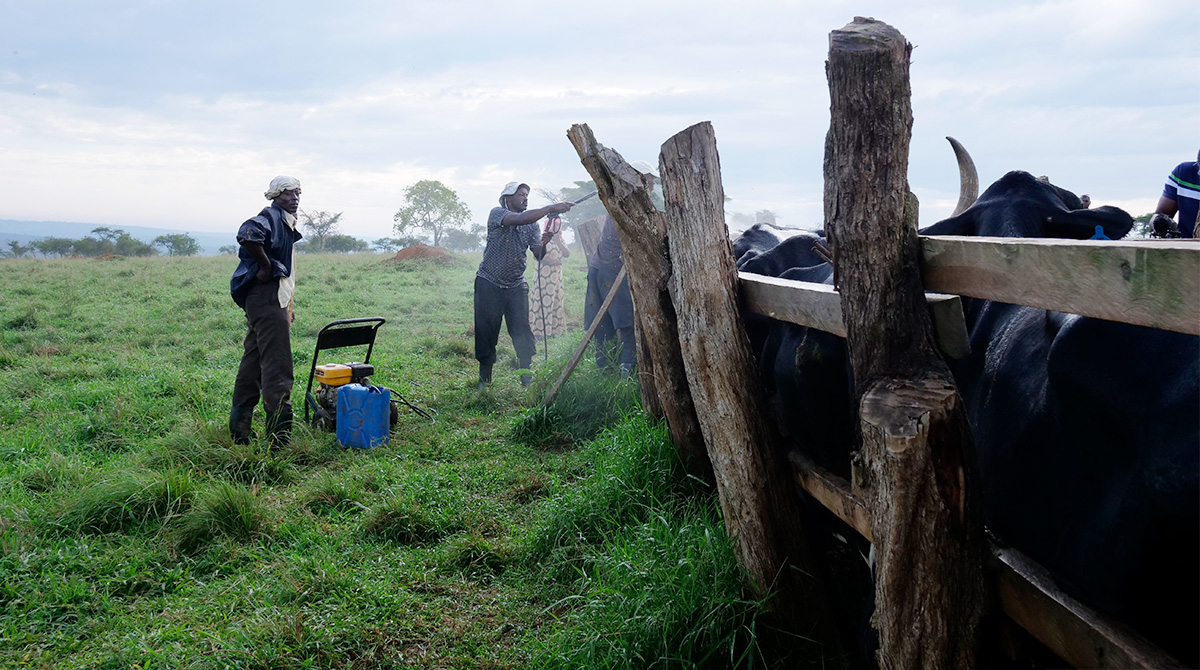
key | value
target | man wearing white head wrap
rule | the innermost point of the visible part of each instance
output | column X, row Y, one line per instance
column 279, row 185
column 501, row 292
column 263, row 285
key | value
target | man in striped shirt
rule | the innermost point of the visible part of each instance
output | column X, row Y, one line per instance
column 1181, row 195
column 500, row 288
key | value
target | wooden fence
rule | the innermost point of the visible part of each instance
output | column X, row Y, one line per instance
column 1145, row 282
column 697, row 372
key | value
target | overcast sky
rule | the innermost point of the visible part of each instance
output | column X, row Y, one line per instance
column 178, row 114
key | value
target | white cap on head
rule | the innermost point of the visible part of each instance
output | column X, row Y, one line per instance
column 279, row 185
column 509, row 189
column 644, row 168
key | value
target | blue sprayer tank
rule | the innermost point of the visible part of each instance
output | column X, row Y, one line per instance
column 362, row 415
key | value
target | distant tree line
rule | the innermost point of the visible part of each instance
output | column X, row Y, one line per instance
column 105, row 242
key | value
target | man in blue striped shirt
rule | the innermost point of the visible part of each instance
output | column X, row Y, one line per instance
column 1181, row 195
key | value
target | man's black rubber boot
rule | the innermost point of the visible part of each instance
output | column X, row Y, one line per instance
column 239, row 424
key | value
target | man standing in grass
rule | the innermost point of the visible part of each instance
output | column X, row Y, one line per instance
column 262, row 285
column 500, row 288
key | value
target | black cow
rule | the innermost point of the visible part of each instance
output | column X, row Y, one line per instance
column 1087, row 431
column 791, row 357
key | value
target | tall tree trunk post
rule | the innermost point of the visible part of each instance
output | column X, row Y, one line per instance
column 919, row 476
column 759, row 501
column 643, row 236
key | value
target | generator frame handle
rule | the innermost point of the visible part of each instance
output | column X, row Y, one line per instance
column 339, row 334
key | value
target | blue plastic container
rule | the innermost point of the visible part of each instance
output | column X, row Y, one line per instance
column 362, row 415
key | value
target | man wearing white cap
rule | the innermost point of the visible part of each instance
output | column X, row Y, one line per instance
column 500, row 288
column 262, row 285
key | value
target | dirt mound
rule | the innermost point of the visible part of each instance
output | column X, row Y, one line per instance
column 419, row 251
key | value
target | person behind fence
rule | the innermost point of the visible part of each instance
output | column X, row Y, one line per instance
column 1181, row 195
column 615, row 334
column 547, row 313
column 501, row 291
column 263, row 285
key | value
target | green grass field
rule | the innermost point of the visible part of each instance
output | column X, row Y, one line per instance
column 134, row 534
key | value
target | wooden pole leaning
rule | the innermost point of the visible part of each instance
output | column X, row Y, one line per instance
column 587, row 337
column 644, row 246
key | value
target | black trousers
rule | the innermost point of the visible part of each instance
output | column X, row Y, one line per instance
column 266, row 367
column 612, row 341
column 492, row 304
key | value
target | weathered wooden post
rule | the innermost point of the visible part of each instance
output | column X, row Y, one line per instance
column 760, row 505
column 643, row 236
column 919, row 479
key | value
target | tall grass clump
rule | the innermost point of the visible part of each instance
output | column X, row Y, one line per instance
column 209, row 450
column 590, row 401
column 222, row 510
column 666, row 593
column 56, row 471
column 636, row 470
column 127, row 500
column 331, row 492
column 653, row 579
column 407, row 521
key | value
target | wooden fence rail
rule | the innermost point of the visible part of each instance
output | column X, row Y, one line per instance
column 1152, row 283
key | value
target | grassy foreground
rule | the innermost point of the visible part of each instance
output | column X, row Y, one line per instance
column 134, row 534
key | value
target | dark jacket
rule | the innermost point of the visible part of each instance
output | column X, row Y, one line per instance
column 608, row 249
column 277, row 239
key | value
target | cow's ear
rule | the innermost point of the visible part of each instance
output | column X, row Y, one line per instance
column 963, row 224
column 1080, row 224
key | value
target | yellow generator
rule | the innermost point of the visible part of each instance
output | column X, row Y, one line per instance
column 320, row 406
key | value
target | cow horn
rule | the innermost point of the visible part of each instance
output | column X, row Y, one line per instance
column 968, row 178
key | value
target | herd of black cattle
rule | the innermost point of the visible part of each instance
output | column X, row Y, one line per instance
column 1087, row 431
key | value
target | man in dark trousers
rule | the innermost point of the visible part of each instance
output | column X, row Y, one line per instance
column 500, row 288
column 263, row 285
column 616, row 325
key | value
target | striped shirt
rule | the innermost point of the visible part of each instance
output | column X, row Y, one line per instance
column 503, row 261
column 1183, row 186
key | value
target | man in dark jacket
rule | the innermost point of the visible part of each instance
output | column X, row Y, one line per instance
column 615, row 331
column 263, row 285
column 615, row 334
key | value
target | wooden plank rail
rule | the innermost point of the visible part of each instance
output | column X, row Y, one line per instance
column 1076, row 633
column 819, row 306
column 1152, row 283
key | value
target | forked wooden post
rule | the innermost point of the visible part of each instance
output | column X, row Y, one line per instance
column 919, row 484
column 643, row 234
